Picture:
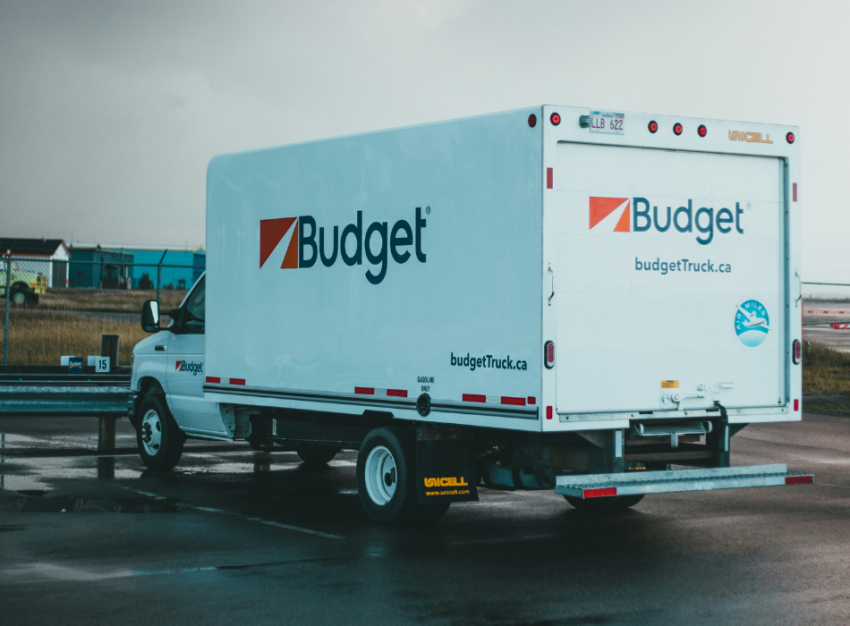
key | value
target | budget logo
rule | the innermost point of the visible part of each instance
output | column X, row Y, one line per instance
column 639, row 215
column 379, row 242
column 271, row 234
column 189, row 366
column 601, row 208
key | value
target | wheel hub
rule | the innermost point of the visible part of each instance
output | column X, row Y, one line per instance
column 381, row 475
column 151, row 432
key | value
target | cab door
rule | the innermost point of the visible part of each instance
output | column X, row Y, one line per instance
column 185, row 368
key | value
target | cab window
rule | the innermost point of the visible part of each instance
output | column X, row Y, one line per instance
column 195, row 311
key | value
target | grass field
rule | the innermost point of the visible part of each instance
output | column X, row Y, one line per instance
column 826, row 380
column 111, row 300
column 41, row 338
column 71, row 322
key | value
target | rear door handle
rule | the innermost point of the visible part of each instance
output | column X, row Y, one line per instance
column 159, row 348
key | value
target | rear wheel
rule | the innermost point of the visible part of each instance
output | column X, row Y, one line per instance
column 159, row 438
column 617, row 503
column 385, row 476
column 315, row 456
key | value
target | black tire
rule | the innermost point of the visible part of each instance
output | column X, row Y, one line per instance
column 315, row 456
column 165, row 453
column 617, row 503
column 19, row 297
column 402, row 505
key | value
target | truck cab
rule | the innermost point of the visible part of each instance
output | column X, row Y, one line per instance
column 168, row 376
column 26, row 286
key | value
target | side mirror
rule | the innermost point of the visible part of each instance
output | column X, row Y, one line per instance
column 150, row 316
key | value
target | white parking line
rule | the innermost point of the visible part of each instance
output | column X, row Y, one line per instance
column 259, row 520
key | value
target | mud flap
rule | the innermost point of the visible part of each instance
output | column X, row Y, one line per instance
column 445, row 467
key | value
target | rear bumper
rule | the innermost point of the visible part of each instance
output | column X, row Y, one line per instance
column 613, row 421
column 638, row 483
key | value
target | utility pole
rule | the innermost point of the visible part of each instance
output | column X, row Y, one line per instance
column 159, row 273
column 8, row 298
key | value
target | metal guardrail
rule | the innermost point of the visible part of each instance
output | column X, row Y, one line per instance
column 56, row 391
column 75, row 400
column 41, row 391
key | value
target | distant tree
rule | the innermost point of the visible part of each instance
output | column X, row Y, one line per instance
column 181, row 284
column 145, row 282
column 169, row 286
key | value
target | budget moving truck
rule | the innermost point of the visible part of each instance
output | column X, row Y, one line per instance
column 550, row 298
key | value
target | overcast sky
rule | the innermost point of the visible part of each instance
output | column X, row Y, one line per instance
column 110, row 111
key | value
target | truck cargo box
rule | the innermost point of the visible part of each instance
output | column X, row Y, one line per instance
column 548, row 269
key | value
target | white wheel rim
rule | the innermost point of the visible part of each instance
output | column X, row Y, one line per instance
column 19, row 298
column 381, row 475
column 151, row 432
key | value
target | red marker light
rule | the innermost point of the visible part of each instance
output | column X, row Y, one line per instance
column 797, row 352
column 677, row 128
column 653, row 126
column 532, row 120
column 790, row 137
column 555, row 119
column 702, row 130
column 548, row 412
column 549, row 354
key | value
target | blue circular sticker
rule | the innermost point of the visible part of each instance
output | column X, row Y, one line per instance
column 752, row 323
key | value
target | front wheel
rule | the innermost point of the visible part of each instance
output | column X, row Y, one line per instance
column 19, row 297
column 159, row 438
column 616, row 503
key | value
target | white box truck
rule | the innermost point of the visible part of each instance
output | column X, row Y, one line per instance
column 550, row 298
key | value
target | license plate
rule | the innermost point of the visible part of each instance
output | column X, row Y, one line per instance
column 605, row 122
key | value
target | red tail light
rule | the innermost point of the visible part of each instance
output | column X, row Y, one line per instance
column 653, row 126
column 532, row 120
column 549, row 354
column 702, row 130
column 677, row 128
column 555, row 118
column 790, row 137
column 797, row 349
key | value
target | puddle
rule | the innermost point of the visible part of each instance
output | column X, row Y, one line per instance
column 14, row 482
column 83, row 505
column 41, row 474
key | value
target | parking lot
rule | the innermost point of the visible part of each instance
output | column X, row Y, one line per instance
column 238, row 536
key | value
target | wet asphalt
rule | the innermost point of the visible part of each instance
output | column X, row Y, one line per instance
column 234, row 536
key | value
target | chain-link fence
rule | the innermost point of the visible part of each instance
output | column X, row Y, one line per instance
column 62, row 308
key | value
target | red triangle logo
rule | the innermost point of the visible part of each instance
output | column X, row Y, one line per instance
column 271, row 232
column 600, row 208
